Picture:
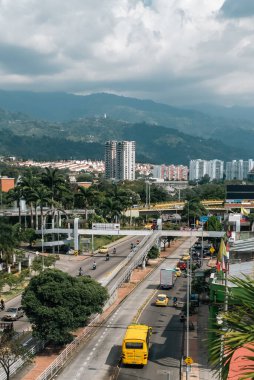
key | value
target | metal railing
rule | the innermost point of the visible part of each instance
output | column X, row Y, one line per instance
column 59, row 362
column 21, row 361
column 66, row 354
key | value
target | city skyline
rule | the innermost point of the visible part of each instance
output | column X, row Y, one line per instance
column 123, row 47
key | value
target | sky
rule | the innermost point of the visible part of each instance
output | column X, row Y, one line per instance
column 177, row 52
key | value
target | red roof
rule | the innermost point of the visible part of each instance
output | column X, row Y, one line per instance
column 240, row 364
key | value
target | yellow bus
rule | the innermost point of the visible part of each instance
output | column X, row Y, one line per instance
column 135, row 346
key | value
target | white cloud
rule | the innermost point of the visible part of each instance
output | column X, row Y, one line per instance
column 176, row 51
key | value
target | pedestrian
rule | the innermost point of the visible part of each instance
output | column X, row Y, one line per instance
column 2, row 304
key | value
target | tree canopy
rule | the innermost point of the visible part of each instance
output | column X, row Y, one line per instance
column 56, row 304
column 236, row 330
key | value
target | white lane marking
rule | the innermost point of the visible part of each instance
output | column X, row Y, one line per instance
column 29, row 340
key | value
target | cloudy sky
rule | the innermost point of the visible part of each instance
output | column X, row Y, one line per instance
column 174, row 51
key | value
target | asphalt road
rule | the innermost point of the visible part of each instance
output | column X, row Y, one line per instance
column 166, row 343
column 100, row 355
column 71, row 265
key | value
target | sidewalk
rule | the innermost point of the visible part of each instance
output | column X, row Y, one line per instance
column 198, row 344
column 200, row 369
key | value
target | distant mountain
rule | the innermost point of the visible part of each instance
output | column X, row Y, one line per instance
column 169, row 134
column 231, row 112
column 85, row 138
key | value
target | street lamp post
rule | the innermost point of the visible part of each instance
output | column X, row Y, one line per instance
column 188, row 319
column 148, row 194
column 130, row 210
column 202, row 245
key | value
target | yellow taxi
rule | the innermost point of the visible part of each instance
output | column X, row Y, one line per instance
column 161, row 300
column 103, row 249
column 178, row 272
column 186, row 257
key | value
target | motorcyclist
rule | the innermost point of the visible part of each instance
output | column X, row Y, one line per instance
column 80, row 271
column 107, row 256
column 114, row 250
column 94, row 265
column 174, row 301
column 2, row 304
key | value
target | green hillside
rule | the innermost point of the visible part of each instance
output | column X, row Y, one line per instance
column 85, row 138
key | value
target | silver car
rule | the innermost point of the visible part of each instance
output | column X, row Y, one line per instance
column 13, row 313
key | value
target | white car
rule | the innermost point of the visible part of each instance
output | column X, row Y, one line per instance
column 13, row 313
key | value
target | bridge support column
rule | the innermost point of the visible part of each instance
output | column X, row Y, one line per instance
column 75, row 234
column 144, row 263
column 29, row 261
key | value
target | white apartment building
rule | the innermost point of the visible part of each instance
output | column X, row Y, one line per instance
column 120, row 160
column 199, row 168
column 238, row 169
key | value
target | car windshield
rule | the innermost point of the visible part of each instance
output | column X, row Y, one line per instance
column 161, row 298
column 11, row 310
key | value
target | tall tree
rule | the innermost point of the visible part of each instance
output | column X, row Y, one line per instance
column 56, row 304
column 55, row 181
column 10, row 351
column 238, row 329
column 8, row 241
column 28, row 184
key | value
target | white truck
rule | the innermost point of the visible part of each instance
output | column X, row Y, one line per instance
column 167, row 278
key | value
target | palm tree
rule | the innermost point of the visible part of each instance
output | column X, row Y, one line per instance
column 55, row 181
column 8, row 241
column 16, row 194
column 28, row 184
column 85, row 197
column 111, row 209
column 42, row 197
column 238, row 332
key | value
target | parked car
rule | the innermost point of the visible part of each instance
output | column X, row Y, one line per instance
column 103, row 249
column 13, row 313
column 162, row 300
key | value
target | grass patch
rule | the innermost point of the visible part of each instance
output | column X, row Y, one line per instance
column 99, row 241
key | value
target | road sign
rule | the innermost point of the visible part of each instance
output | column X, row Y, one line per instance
column 212, row 250
column 203, row 219
column 188, row 360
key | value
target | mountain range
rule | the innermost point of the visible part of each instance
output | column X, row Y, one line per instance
column 50, row 126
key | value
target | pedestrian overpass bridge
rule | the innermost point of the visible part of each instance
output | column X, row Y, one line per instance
column 74, row 233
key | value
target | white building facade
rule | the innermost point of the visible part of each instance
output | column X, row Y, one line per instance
column 199, row 168
column 238, row 169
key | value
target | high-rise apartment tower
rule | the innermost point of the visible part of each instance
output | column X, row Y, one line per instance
column 120, row 160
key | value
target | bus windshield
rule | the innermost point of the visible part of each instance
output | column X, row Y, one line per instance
column 135, row 345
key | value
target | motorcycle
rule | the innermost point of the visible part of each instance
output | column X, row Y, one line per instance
column 182, row 318
column 107, row 258
column 114, row 251
column 94, row 266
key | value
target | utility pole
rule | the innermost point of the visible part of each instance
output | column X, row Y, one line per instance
column 188, row 320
